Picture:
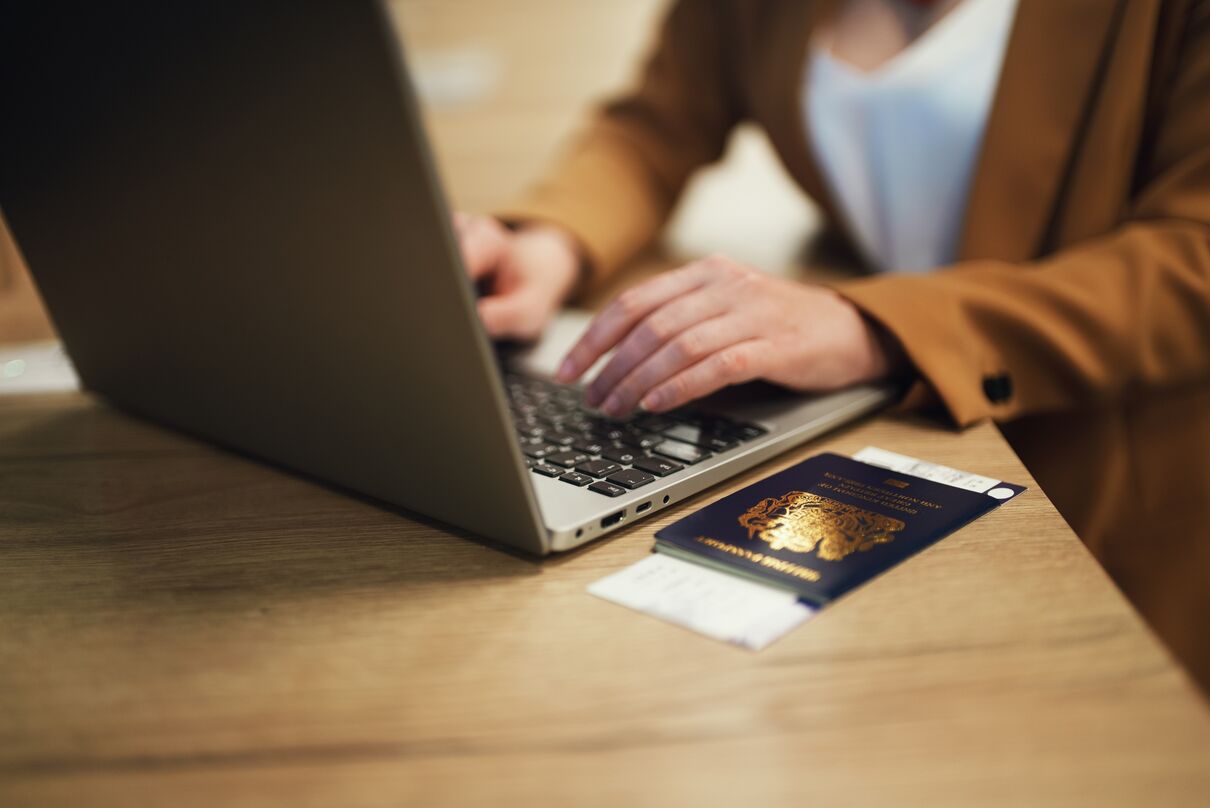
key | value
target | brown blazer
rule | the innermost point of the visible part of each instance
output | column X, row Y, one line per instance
column 1078, row 315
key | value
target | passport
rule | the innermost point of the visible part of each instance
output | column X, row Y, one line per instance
column 826, row 525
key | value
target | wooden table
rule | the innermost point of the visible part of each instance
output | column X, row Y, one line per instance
column 181, row 626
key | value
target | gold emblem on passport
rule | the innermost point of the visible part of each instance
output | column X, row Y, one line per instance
column 805, row 523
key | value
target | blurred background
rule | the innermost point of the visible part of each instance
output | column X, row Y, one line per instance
column 506, row 83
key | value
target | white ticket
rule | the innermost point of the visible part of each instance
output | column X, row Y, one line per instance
column 932, row 471
column 724, row 607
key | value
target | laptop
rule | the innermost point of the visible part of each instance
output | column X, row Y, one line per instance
column 234, row 218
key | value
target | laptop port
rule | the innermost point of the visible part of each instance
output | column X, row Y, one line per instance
column 643, row 507
column 613, row 519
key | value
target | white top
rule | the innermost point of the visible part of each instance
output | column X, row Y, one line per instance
column 898, row 145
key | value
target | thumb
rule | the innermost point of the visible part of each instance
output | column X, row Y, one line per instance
column 514, row 315
column 482, row 242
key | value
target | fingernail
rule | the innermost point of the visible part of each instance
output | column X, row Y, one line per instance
column 652, row 402
column 612, row 406
column 567, row 371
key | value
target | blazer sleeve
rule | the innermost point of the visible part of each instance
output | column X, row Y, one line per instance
column 615, row 186
column 1123, row 314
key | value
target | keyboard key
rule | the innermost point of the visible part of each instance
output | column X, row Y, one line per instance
column 608, row 489
column 654, row 423
column 540, row 450
column 608, row 430
column 566, row 458
column 547, row 470
column 702, row 437
column 749, row 431
column 561, row 438
column 684, row 452
column 631, row 478
column 686, row 416
column 683, row 432
column 620, row 454
column 641, row 440
column 588, row 446
column 718, row 444
column 598, row 468
column 657, row 465
column 575, row 478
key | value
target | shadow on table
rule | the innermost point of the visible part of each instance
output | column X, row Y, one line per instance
column 178, row 518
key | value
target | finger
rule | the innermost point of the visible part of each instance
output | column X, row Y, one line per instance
column 653, row 333
column 627, row 309
column 482, row 242
column 741, row 362
column 517, row 315
column 692, row 346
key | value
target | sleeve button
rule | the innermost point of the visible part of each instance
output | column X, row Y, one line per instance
column 998, row 388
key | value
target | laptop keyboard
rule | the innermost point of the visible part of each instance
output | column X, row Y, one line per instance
column 564, row 439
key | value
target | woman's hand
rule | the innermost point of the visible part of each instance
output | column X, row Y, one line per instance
column 714, row 323
column 527, row 274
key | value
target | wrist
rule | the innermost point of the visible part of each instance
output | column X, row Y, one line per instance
column 882, row 355
column 890, row 359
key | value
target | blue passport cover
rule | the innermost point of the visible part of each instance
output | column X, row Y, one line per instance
column 826, row 525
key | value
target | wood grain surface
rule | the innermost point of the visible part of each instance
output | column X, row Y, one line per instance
column 184, row 626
